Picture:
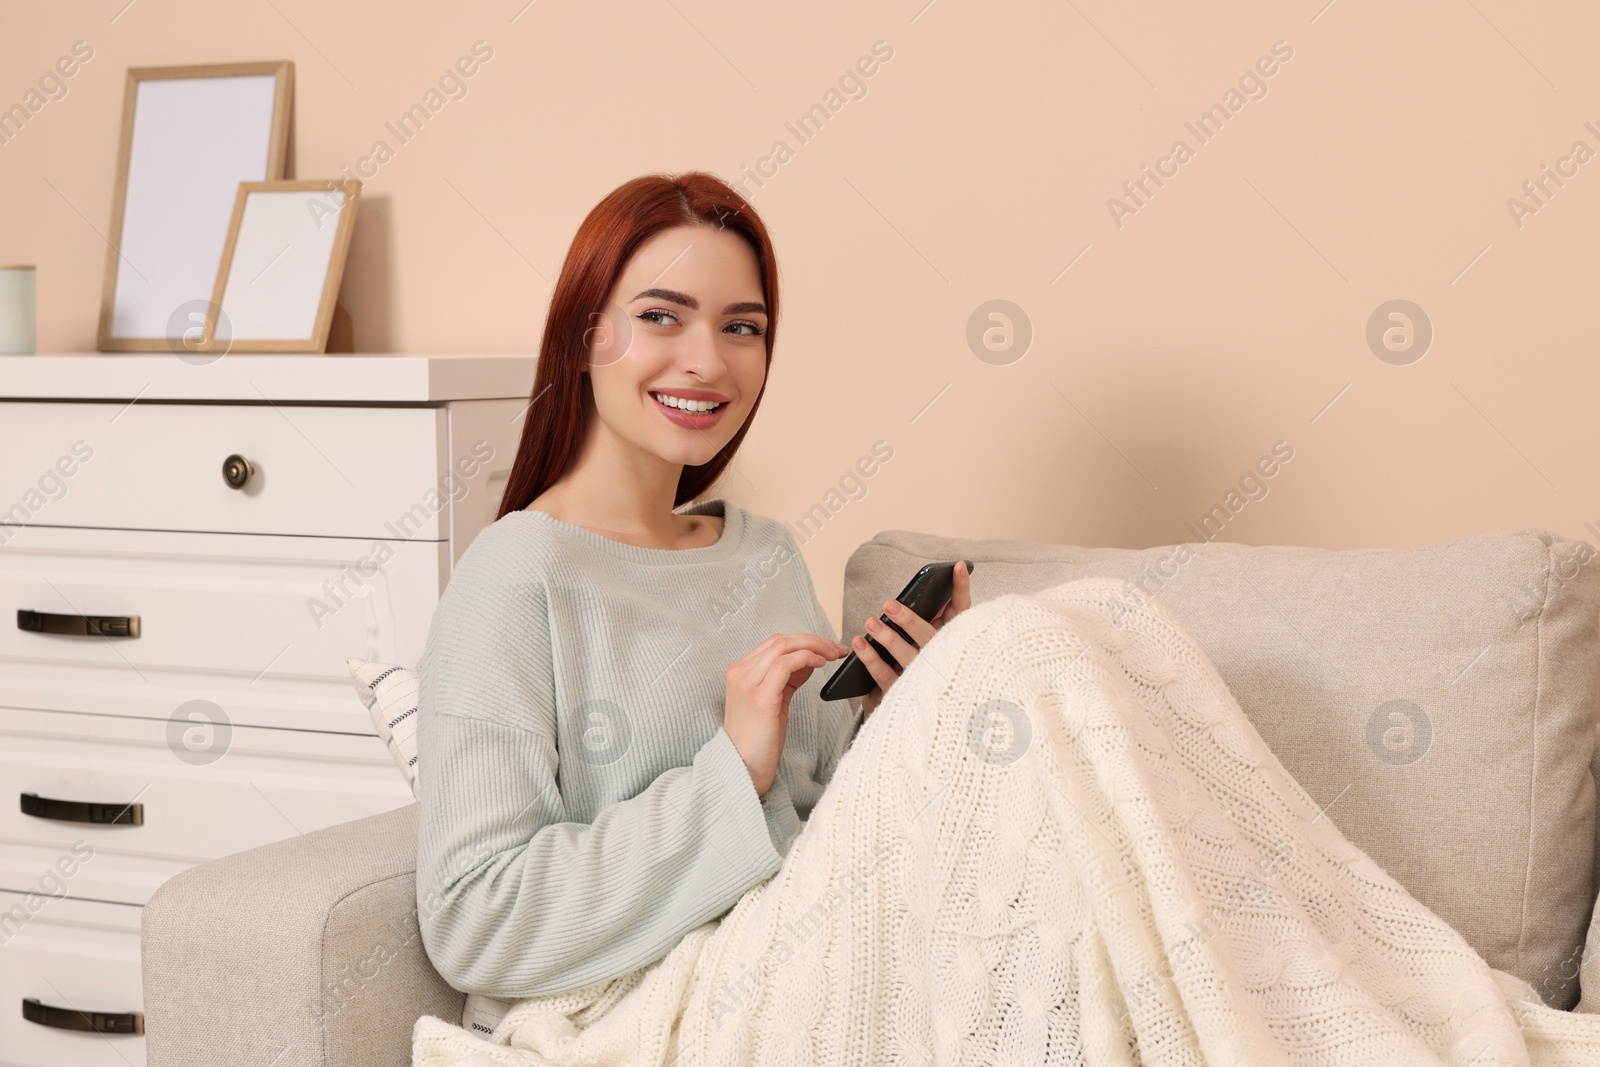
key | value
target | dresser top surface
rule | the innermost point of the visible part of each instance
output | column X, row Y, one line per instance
column 359, row 378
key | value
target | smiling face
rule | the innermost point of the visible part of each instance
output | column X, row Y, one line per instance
column 680, row 356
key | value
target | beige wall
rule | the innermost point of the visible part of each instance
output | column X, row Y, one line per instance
column 1225, row 314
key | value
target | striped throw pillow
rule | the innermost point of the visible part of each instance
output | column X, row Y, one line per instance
column 390, row 692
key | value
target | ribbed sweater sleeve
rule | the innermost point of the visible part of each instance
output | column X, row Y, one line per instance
column 819, row 733
column 795, row 790
column 840, row 719
column 517, row 899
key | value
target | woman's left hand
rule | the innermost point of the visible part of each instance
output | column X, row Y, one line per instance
column 921, row 631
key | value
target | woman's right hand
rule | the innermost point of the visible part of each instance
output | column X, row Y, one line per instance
column 759, row 687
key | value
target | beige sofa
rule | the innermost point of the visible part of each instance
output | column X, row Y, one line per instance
column 1440, row 701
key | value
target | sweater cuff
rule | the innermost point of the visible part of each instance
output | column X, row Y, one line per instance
column 783, row 822
column 748, row 810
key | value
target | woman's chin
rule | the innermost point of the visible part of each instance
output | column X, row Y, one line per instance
column 690, row 453
column 691, row 447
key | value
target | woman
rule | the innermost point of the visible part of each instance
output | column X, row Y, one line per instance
column 621, row 736
column 619, row 693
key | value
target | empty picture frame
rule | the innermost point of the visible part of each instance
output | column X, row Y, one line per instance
column 190, row 135
column 281, row 266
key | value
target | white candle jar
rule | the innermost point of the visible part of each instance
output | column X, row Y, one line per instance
column 16, row 310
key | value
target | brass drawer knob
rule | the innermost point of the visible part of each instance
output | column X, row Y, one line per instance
column 236, row 471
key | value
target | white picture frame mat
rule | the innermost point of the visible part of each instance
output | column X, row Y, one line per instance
column 194, row 141
column 280, row 264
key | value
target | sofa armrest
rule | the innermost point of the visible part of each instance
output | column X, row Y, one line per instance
column 302, row 953
column 1589, row 967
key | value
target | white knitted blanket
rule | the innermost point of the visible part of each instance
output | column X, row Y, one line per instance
column 1057, row 841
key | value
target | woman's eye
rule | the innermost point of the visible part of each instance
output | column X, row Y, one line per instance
column 755, row 331
column 646, row 316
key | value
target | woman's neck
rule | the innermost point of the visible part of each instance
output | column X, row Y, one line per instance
column 618, row 492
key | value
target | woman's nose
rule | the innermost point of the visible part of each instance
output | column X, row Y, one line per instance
column 700, row 355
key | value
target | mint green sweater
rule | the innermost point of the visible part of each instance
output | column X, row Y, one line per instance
column 582, row 807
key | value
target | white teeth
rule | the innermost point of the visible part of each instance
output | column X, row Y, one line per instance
column 696, row 407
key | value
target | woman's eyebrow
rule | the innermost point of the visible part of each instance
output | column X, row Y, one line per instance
column 744, row 307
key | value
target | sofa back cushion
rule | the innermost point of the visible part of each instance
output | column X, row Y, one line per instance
column 1440, row 701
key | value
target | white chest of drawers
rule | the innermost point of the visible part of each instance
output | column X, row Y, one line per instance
column 188, row 554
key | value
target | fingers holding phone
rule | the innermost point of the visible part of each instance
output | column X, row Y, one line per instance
column 882, row 674
column 960, row 595
column 902, row 651
column 905, row 632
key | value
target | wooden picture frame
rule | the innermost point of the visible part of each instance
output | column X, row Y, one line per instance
column 293, row 236
column 186, row 144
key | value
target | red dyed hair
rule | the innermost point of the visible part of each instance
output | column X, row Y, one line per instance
column 563, row 398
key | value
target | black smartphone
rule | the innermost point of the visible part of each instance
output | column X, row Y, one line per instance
column 927, row 592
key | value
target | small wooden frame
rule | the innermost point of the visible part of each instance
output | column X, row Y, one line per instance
column 186, row 145
column 282, row 263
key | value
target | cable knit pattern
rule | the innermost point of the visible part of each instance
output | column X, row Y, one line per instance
column 1059, row 840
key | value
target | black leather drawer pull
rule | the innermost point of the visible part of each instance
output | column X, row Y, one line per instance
column 42, row 622
column 83, row 811
column 100, row 1022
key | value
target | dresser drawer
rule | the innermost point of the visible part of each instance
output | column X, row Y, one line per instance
column 72, row 954
column 266, row 785
column 217, row 614
column 81, row 871
column 320, row 470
